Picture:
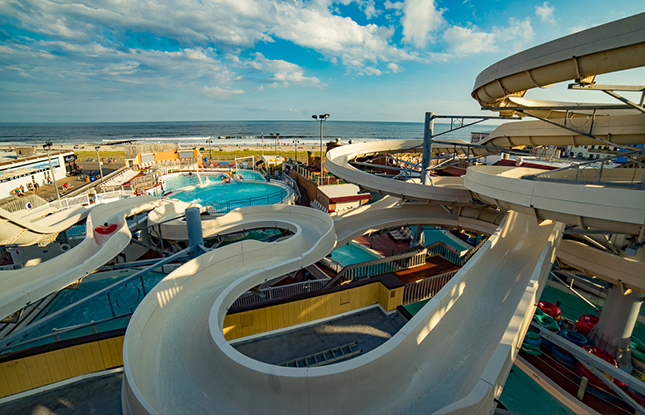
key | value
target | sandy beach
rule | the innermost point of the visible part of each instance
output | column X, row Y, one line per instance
column 87, row 152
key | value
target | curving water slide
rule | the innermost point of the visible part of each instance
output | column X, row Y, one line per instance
column 22, row 228
column 192, row 369
column 452, row 357
column 21, row 287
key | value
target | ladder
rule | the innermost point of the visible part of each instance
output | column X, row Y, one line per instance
column 322, row 358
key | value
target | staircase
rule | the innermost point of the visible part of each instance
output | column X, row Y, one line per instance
column 323, row 358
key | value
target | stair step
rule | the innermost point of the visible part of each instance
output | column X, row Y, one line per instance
column 325, row 357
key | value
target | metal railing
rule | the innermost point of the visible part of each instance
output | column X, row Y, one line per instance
column 119, row 301
column 446, row 251
column 280, row 292
column 144, row 182
column 72, row 332
column 69, row 202
column 332, row 264
column 594, row 176
column 355, row 272
column 228, row 205
column 426, row 288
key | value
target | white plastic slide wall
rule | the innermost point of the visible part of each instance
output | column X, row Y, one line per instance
column 453, row 356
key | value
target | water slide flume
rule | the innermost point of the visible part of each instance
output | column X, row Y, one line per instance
column 177, row 360
column 21, row 287
column 445, row 190
column 612, row 47
column 20, row 228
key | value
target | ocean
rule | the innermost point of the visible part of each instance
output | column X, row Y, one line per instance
column 191, row 134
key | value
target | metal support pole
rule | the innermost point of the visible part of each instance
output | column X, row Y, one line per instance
column 51, row 169
column 428, row 128
column 194, row 228
column 321, row 150
column 99, row 160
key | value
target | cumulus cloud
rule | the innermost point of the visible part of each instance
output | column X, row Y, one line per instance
column 545, row 13
column 468, row 40
column 337, row 37
column 420, row 21
column 222, row 93
column 394, row 68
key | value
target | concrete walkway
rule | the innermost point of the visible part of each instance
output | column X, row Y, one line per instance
column 97, row 396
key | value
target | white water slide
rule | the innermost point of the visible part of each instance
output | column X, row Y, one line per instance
column 452, row 357
column 22, row 228
column 26, row 285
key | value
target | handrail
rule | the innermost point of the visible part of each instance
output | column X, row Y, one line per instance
column 545, row 176
column 56, row 334
column 595, row 363
column 279, row 292
column 228, row 205
column 378, row 266
column 106, row 290
column 426, row 288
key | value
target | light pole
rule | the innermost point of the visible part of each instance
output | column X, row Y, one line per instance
column 321, row 118
column 210, row 152
column 99, row 159
column 295, row 147
column 277, row 137
column 47, row 146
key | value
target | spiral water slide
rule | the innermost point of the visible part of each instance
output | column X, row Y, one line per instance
column 611, row 47
column 20, row 287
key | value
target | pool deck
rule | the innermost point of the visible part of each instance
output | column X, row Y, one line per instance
column 370, row 328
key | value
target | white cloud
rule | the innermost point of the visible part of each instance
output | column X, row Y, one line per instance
column 545, row 13
column 468, row 40
column 420, row 21
column 394, row 68
column 396, row 5
column 337, row 37
column 283, row 73
column 217, row 92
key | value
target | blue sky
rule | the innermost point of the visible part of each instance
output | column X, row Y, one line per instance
column 185, row 60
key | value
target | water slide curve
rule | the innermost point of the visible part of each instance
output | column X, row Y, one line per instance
column 452, row 357
column 21, row 287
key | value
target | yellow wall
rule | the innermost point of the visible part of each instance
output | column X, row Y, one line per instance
column 288, row 314
column 31, row 372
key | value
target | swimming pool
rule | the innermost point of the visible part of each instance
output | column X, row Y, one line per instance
column 352, row 253
column 210, row 190
column 434, row 235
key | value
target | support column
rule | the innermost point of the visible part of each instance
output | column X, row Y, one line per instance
column 428, row 128
column 419, row 236
column 614, row 329
column 194, row 228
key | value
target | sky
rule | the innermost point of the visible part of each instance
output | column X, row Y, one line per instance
column 219, row 60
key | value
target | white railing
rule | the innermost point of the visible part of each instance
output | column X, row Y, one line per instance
column 427, row 288
column 274, row 293
column 355, row 272
column 332, row 264
column 102, row 197
column 316, row 205
column 68, row 202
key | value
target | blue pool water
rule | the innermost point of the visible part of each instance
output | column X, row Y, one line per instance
column 119, row 301
column 434, row 235
column 351, row 254
column 211, row 190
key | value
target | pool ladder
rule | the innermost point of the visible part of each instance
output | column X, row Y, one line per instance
column 328, row 356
